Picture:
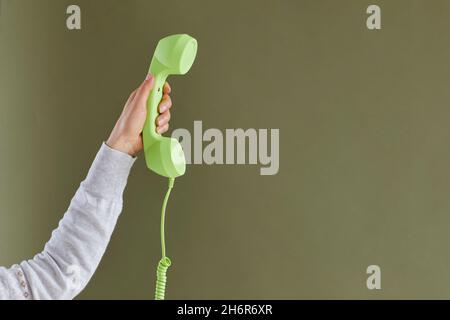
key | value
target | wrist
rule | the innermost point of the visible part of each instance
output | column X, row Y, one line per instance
column 122, row 145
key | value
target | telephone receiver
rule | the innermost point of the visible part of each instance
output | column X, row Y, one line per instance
column 174, row 54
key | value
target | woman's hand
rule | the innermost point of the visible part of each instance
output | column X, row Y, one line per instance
column 127, row 133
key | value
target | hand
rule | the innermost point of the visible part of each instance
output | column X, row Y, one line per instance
column 127, row 133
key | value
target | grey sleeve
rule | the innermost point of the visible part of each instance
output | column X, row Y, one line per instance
column 72, row 254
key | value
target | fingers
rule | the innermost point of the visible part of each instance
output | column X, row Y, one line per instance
column 162, row 129
column 141, row 95
column 165, row 104
column 132, row 95
column 144, row 90
column 130, row 98
column 163, row 118
column 167, row 89
column 162, row 121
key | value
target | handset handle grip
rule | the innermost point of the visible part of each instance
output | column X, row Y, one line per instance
column 149, row 131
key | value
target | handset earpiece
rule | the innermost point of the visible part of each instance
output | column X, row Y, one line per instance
column 174, row 54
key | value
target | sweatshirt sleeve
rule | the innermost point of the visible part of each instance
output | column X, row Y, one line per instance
column 70, row 257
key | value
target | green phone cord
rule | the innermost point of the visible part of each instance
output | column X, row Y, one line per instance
column 164, row 263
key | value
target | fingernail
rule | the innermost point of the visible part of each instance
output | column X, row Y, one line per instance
column 162, row 108
column 148, row 77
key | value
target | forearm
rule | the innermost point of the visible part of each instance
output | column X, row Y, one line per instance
column 74, row 251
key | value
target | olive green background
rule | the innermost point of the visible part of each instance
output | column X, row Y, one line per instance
column 364, row 144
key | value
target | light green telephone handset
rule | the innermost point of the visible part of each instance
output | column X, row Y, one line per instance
column 174, row 54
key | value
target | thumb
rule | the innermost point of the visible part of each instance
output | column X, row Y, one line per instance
column 144, row 89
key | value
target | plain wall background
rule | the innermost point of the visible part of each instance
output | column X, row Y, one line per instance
column 364, row 144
